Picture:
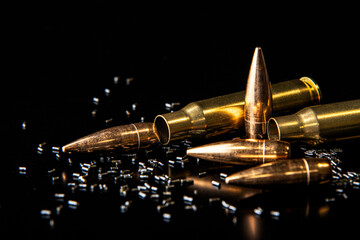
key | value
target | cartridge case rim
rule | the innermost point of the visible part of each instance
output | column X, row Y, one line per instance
column 313, row 87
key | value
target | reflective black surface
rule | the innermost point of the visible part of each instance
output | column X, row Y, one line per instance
column 61, row 95
column 158, row 192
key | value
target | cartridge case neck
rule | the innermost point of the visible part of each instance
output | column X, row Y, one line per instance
column 301, row 125
column 187, row 122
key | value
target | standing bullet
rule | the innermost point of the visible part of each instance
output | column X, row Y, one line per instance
column 242, row 151
column 258, row 98
column 319, row 123
column 304, row 171
column 124, row 138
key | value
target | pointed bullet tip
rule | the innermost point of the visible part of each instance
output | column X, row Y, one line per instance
column 190, row 152
column 67, row 148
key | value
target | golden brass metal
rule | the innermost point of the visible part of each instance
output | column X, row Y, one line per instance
column 319, row 123
column 124, row 138
column 258, row 98
column 304, row 171
column 242, row 151
column 225, row 114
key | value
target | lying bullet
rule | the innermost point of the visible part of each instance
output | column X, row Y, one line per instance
column 225, row 114
column 319, row 123
column 124, row 138
column 258, row 98
column 304, row 171
column 242, row 151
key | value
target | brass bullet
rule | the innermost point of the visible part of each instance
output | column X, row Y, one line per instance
column 242, row 151
column 124, row 138
column 319, row 123
column 304, row 171
column 258, row 98
column 225, row 114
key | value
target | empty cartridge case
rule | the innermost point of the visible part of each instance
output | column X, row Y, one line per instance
column 304, row 171
column 242, row 151
column 258, row 98
column 125, row 138
column 225, row 114
column 319, row 123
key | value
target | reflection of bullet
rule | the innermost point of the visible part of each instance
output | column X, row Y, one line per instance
column 318, row 123
column 258, row 98
column 242, row 151
column 224, row 114
column 126, row 138
column 284, row 172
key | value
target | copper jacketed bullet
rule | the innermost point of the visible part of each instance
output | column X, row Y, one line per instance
column 225, row 114
column 124, row 138
column 242, row 151
column 304, row 171
column 258, row 98
column 319, row 123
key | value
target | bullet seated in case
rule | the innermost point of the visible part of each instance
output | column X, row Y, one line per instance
column 258, row 98
column 242, row 151
column 125, row 138
column 303, row 171
column 319, row 123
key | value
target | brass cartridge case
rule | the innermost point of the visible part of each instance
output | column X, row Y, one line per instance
column 124, row 138
column 258, row 98
column 242, row 151
column 304, row 171
column 225, row 114
column 319, row 123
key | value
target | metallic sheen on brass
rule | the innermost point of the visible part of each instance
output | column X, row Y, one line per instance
column 124, row 138
column 258, row 98
column 242, row 151
column 319, row 123
column 304, row 171
column 225, row 114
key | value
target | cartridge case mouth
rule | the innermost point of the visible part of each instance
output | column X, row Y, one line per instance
column 273, row 129
column 162, row 129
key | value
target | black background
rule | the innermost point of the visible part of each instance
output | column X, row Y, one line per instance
column 57, row 56
column 55, row 52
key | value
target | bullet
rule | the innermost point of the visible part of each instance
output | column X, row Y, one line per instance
column 242, row 151
column 316, row 124
column 304, row 171
column 258, row 98
column 125, row 138
column 225, row 114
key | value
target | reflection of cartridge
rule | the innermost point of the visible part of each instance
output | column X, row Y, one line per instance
column 318, row 123
column 224, row 114
column 242, row 151
column 283, row 172
column 125, row 138
column 258, row 98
